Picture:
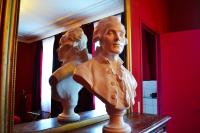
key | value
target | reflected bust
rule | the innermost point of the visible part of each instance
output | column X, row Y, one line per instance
column 71, row 52
column 106, row 77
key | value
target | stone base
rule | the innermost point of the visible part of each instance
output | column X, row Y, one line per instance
column 116, row 122
column 68, row 118
column 125, row 128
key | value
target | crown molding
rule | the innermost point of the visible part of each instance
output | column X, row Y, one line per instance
column 90, row 14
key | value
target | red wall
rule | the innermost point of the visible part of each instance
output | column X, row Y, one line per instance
column 154, row 15
column 184, row 15
column 24, row 72
column 180, row 91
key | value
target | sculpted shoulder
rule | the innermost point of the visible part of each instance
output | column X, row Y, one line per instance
column 88, row 64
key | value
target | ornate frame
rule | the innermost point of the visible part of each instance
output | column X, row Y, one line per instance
column 8, row 23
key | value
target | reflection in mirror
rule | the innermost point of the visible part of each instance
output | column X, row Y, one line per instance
column 72, row 51
column 36, row 26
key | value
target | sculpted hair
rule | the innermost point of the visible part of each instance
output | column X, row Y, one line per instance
column 103, row 25
column 76, row 37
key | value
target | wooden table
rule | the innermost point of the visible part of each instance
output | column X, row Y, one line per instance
column 91, row 122
column 140, row 123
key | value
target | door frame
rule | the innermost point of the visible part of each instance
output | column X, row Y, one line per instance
column 157, row 61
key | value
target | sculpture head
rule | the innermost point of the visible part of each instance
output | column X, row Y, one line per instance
column 71, row 43
column 110, row 32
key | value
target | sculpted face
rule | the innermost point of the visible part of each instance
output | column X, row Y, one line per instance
column 113, row 39
column 64, row 52
column 72, row 42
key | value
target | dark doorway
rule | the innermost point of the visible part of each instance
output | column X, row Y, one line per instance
column 149, row 70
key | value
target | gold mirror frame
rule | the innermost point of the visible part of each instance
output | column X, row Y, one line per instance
column 9, row 14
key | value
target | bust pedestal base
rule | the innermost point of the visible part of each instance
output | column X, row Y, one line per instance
column 116, row 122
column 68, row 114
column 68, row 118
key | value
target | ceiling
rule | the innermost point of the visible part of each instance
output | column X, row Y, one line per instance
column 40, row 19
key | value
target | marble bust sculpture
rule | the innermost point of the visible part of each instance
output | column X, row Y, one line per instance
column 106, row 77
column 71, row 52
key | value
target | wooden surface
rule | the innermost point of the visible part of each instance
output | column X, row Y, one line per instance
column 140, row 123
column 46, row 125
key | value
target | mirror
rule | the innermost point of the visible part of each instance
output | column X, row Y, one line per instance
column 8, row 76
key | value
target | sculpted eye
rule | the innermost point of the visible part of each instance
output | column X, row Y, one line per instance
column 110, row 32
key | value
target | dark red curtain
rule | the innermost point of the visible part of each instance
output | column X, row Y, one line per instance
column 28, row 72
column 56, row 107
column 148, row 55
column 37, row 70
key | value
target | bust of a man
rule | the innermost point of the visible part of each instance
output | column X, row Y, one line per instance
column 71, row 52
column 104, row 75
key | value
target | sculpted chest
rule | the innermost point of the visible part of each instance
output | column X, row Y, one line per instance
column 110, row 85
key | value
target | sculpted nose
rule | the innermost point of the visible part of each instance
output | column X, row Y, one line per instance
column 117, row 37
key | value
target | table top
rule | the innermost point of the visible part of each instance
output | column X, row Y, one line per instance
column 93, row 122
column 52, row 123
column 140, row 123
